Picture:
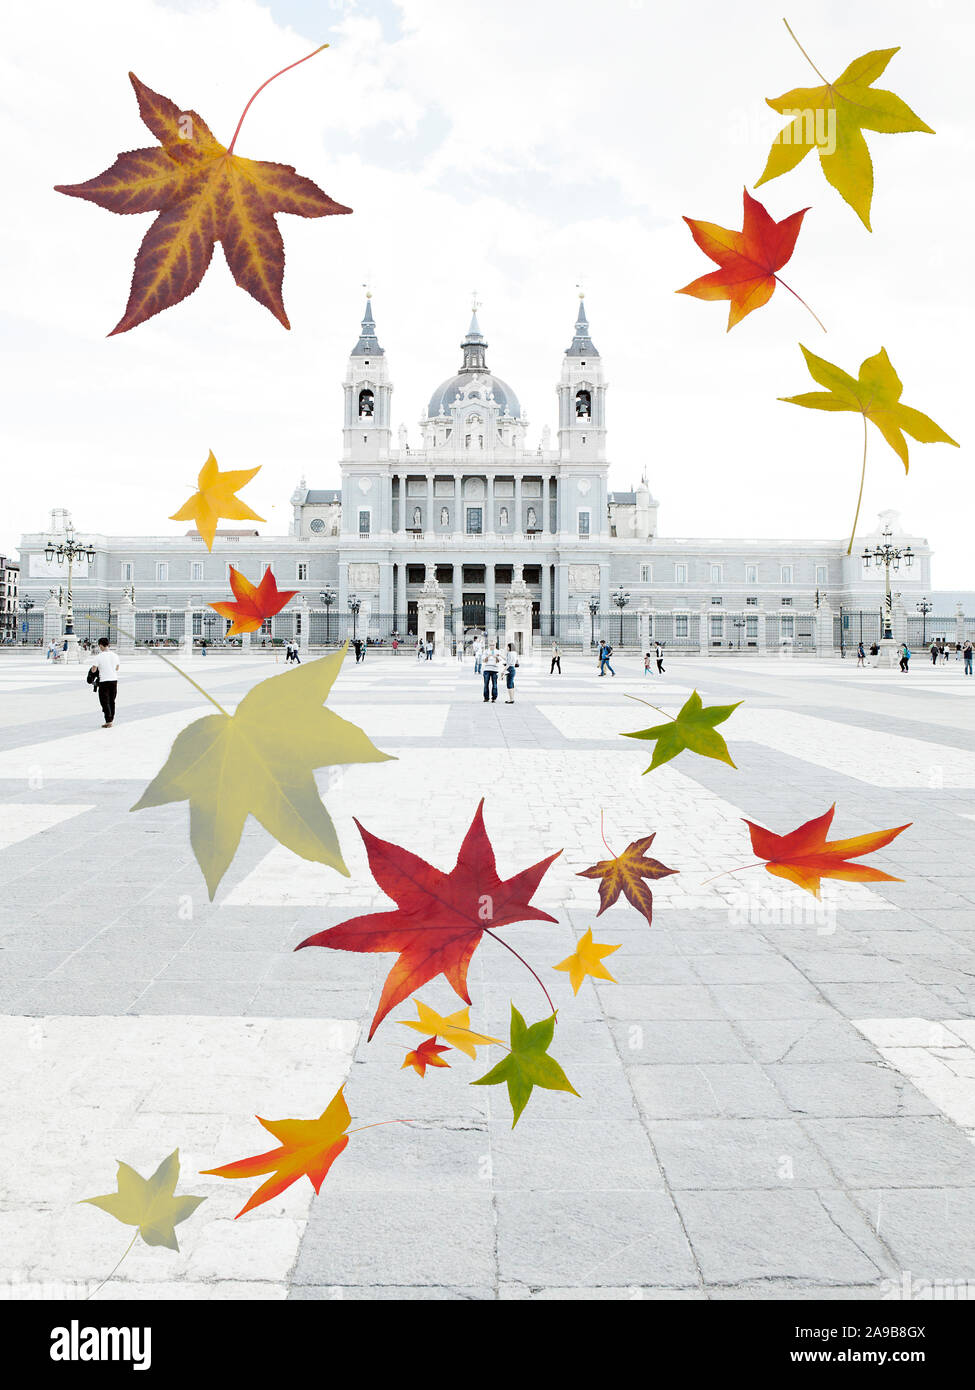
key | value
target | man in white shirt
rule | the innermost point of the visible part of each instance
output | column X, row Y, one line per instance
column 107, row 664
column 491, row 667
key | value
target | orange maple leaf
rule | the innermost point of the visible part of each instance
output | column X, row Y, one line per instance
column 308, row 1147
column 748, row 259
column 804, row 856
column 204, row 193
column 425, row 1056
column 255, row 602
column 626, row 874
column 217, row 498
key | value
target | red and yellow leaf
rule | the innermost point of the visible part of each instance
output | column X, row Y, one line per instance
column 255, row 602
column 804, row 856
column 426, row 1055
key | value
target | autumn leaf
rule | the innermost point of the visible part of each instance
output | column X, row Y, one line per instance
column 748, row 259
column 528, row 1064
column 625, row 874
column 805, row 856
column 454, row 1029
column 875, row 394
column 255, row 602
column 425, row 1056
column 587, row 958
column 149, row 1203
column 260, row 761
column 307, row 1148
column 203, row 193
column 693, row 729
column 831, row 118
column 217, row 498
column 439, row 918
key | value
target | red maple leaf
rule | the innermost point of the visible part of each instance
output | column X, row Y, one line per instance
column 805, row 856
column 440, row 918
column 425, row 1056
column 254, row 602
column 748, row 259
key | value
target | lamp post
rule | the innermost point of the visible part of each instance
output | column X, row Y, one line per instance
column 209, row 623
column 328, row 597
column 924, row 608
column 26, row 604
column 69, row 550
column 355, row 603
column 621, row 599
column 890, row 557
column 738, row 624
column 593, row 610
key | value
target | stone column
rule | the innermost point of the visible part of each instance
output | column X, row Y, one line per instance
column 704, row 630
column 960, row 624
column 547, row 526
column 604, row 586
column 489, row 507
column 430, row 617
column 125, row 640
column 305, row 614
column 545, row 605
column 762, row 635
column 52, row 619
column 385, row 586
column 457, row 599
column 428, row 515
column 458, row 506
column 644, row 615
column 401, row 600
column 518, row 615
column 519, row 526
column 188, row 630
column 898, row 617
column 824, row 628
column 490, row 600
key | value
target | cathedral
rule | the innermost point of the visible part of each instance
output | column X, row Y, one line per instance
column 478, row 527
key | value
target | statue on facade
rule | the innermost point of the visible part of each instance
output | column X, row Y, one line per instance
column 444, row 517
column 416, row 518
column 503, row 517
column 532, row 521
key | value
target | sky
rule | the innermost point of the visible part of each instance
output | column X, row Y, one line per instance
column 519, row 150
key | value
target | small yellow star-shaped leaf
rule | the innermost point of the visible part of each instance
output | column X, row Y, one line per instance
column 587, row 960
column 216, row 498
column 455, row 1029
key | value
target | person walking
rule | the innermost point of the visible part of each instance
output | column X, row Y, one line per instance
column 905, row 656
column 395, row 646
column 510, row 662
column 934, row 652
column 861, row 654
column 659, row 652
column 646, row 664
column 556, row 658
column 419, row 649
column 605, row 652
column 491, row 665
column 966, row 653
column 107, row 666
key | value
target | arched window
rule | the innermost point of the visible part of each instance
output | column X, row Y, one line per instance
column 367, row 404
column 583, row 405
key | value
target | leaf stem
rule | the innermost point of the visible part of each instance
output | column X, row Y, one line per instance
column 260, row 89
column 108, row 1276
column 804, row 53
column 490, row 933
column 158, row 655
column 603, row 834
column 863, row 474
column 801, row 301
column 377, row 1123
column 671, row 717
column 753, row 865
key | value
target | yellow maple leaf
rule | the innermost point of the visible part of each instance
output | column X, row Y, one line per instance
column 260, row 761
column 216, row 498
column 587, row 959
column 454, row 1029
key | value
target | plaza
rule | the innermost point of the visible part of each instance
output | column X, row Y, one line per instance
column 776, row 1094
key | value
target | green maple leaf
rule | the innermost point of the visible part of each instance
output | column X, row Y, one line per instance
column 834, row 115
column 260, row 761
column 693, row 729
column 528, row 1064
column 875, row 395
column 148, row 1203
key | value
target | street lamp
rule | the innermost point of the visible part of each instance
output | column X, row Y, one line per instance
column 890, row 557
column 69, row 549
column 621, row 599
column 209, row 623
column 355, row 603
column 328, row 596
column 738, row 624
column 593, row 610
column 924, row 608
column 26, row 604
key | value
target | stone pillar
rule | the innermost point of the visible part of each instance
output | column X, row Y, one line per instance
column 125, row 635
column 824, row 628
column 52, row 619
column 704, row 630
column 456, row 600
column 428, row 514
column 385, row 586
column 960, row 624
column 490, row 599
column 187, row 643
column 644, row 616
column 401, row 600
column 518, row 615
column 898, row 618
column 604, row 586
column 458, row 506
column 305, row 633
column 489, row 507
column 430, row 616
column 545, row 605
column 762, row 635
column 519, row 526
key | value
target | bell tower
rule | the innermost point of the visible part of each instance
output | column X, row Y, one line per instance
column 367, row 433
column 582, row 398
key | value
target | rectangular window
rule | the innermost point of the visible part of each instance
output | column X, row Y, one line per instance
column 196, row 569
column 751, row 629
column 752, row 600
column 646, row 574
column 680, row 574
column 474, row 520
column 160, row 626
column 751, row 574
column 787, row 603
column 162, row 572
column 680, row 625
column 716, row 602
column 788, row 626
column 364, row 521
column 584, row 523
column 715, row 574
column 787, row 574
column 717, row 627
column 197, row 624
column 822, row 575
column 302, row 573
column 125, row 572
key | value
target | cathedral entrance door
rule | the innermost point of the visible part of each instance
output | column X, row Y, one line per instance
column 474, row 610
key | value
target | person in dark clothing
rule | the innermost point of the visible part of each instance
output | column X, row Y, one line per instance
column 107, row 666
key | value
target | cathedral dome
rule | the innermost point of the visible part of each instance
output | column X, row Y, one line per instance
column 474, row 378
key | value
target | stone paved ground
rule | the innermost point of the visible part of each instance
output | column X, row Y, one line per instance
column 777, row 1097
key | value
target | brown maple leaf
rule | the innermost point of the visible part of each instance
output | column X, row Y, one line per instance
column 440, row 918
column 204, row 193
column 626, row 874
